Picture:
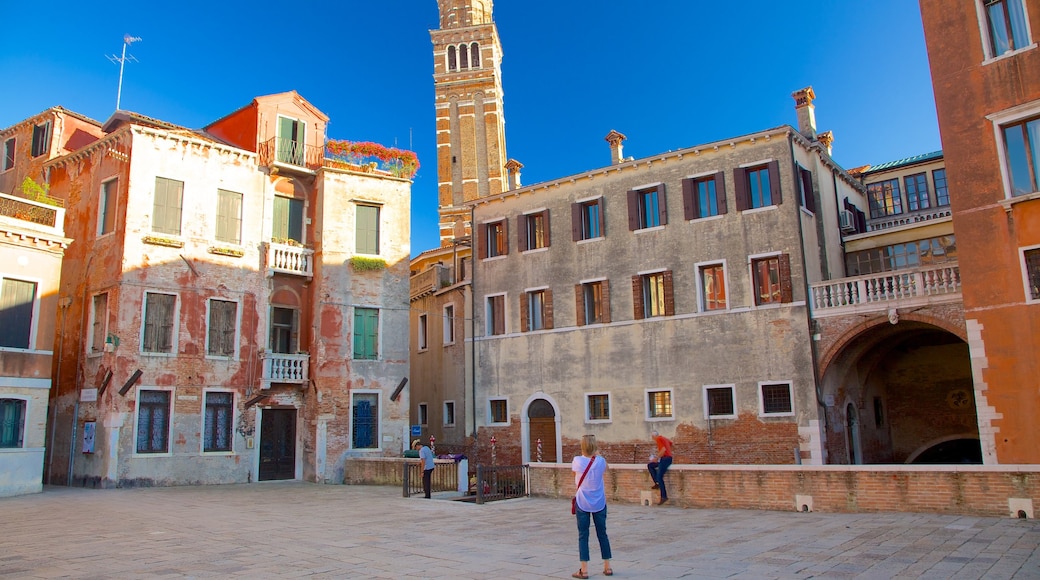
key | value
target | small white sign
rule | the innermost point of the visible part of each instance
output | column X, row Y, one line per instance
column 88, row 395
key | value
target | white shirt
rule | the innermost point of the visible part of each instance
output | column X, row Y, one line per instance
column 591, row 496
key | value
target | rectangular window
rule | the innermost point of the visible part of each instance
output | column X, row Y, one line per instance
column 166, row 208
column 713, row 287
column 659, row 404
column 772, row 279
column 938, row 250
column 12, row 423
column 718, row 402
column 218, row 421
column 884, row 198
column 587, row 220
column 41, row 143
column 646, row 208
column 597, row 407
column 158, row 322
column 593, row 302
column 17, row 303
column 229, row 217
column 366, row 333
column 449, row 324
column 422, row 333
column 368, row 229
column 760, row 191
column 153, row 421
column 223, row 322
column 449, row 413
column 536, row 310
column 534, row 230
column 8, row 154
column 1031, row 263
column 499, row 410
column 287, row 220
column 775, row 399
column 652, row 295
column 107, row 207
column 284, row 334
column 289, row 146
column 916, row 191
column 493, row 240
column 99, row 321
column 496, row 315
column 1005, row 26
column 704, row 196
column 942, row 196
column 364, row 432
column 424, row 415
column 757, row 186
column 1022, row 150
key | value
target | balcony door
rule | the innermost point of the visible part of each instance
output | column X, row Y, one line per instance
column 287, row 221
column 290, row 141
column 284, row 335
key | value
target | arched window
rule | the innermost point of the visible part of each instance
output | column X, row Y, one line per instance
column 463, row 56
column 452, row 64
column 474, row 52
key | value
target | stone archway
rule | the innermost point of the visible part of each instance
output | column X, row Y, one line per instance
column 540, row 420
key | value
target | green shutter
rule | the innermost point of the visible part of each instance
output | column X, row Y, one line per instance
column 366, row 328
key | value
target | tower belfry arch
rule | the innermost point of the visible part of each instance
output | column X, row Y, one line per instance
column 471, row 149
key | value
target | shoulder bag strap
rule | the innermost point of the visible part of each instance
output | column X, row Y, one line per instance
column 586, row 472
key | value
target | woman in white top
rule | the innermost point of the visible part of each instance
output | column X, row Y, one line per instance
column 592, row 504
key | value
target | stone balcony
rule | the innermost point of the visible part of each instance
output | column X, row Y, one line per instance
column 887, row 290
column 286, row 259
column 284, row 368
column 431, row 280
column 33, row 212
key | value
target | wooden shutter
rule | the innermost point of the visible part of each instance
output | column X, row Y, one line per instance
column 720, row 191
column 662, row 207
column 774, row 182
column 602, row 215
column 17, row 298
column 280, row 218
column 482, row 241
column 547, row 304
column 689, row 200
column 545, row 228
column 633, row 210
column 786, row 290
column 740, row 184
column 159, row 206
column 505, row 237
column 810, row 197
column 576, row 230
column 500, row 314
column 579, row 304
column 637, row 297
column 521, row 234
column 605, row 300
column 669, row 296
column 525, row 311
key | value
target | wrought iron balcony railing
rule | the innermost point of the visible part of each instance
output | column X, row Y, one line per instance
column 32, row 211
column 289, row 153
column 285, row 368
column 879, row 292
column 288, row 259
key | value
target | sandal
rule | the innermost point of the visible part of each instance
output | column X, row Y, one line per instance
column 608, row 572
column 580, row 574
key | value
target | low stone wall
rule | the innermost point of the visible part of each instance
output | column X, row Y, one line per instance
column 999, row 491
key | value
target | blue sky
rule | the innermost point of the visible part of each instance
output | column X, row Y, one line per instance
column 669, row 73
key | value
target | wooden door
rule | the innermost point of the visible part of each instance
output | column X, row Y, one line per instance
column 277, row 444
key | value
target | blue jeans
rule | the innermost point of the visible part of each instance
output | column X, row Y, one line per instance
column 600, row 519
column 657, row 470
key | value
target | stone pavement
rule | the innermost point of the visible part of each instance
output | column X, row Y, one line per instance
column 294, row 529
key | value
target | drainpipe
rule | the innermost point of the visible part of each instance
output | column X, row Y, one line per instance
column 64, row 303
column 473, row 316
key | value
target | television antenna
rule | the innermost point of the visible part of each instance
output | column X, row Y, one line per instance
column 122, row 60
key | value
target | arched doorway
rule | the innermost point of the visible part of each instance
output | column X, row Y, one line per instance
column 541, row 417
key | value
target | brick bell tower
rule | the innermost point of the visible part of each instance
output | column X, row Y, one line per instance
column 471, row 144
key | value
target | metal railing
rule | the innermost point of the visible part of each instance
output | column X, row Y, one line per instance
column 32, row 211
column 445, row 477
column 899, row 288
column 502, row 482
column 291, row 153
column 289, row 260
column 285, row 368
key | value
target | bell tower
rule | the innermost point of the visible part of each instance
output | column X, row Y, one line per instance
column 471, row 145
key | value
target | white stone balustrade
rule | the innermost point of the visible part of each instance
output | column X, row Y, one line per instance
column 886, row 290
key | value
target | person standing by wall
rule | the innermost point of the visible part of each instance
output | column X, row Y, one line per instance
column 427, row 465
column 591, row 500
column 660, row 463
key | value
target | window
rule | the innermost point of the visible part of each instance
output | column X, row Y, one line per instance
column 422, row 333
column 1022, row 150
column 229, row 216
column 593, row 302
column 704, row 196
column 496, row 315
column 8, row 154
column 220, row 410
column 646, row 208
column 284, row 333
column 916, row 191
column 452, row 58
column 757, row 186
column 424, row 415
column 12, row 423
column 493, row 240
column 367, row 229
column 17, row 306
column 499, row 410
column 158, row 322
column 474, row 55
column 107, row 207
column 289, row 145
column 464, row 56
column 449, row 324
column 41, row 142
column 652, row 295
column 153, row 421
column 718, row 402
column 1031, row 268
column 587, row 220
column 99, row 322
column 366, row 333
column 942, row 196
column 536, row 310
column 929, row 251
column 805, row 189
column 287, row 221
column 223, row 322
column 772, row 279
column 449, row 413
column 659, row 404
column 1005, row 26
column 884, row 198
column 534, row 230
column 713, row 286
column 597, row 407
column 364, row 432
column 775, row 399
column 166, row 208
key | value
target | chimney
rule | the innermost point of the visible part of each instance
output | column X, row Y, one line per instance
column 806, row 112
column 615, row 139
column 513, row 168
column 827, row 139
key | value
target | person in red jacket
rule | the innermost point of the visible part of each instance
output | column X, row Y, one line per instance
column 660, row 463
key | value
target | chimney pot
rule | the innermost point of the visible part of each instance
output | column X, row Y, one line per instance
column 615, row 138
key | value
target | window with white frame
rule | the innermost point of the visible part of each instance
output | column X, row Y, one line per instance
column 366, row 333
column 592, row 301
column 17, row 312
column 367, row 232
column 1017, row 133
column 597, row 407
column 159, row 317
column 534, row 231
column 153, row 421
column 659, row 404
column 498, row 411
column 587, row 220
column 41, row 141
column 449, row 324
column 536, row 310
column 422, row 331
column 449, row 413
column 719, row 402
column 364, row 420
column 12, row 423
column 222, row 337
column 493, row 239
column 496, row 314
column 99, row 322
column 218, row 421
column 107, row 207
column 647, row 208
column 652, row 295
column 775, row 399
column 1004, row 25
column 285, row 330
column 1031, row 272
column 712, row 281
column 771, row 276
column 424, row 414
column 757, row 186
